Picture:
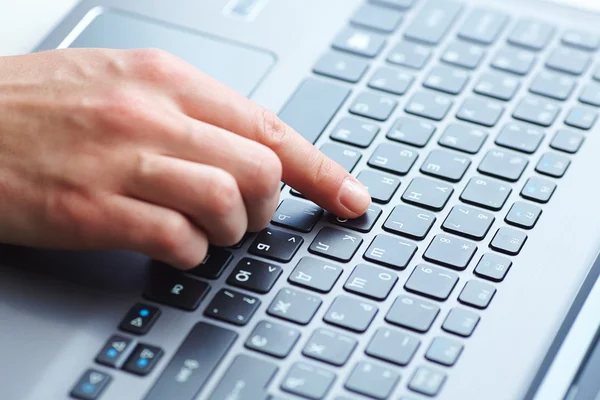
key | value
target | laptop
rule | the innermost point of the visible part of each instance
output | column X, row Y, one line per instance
column 473, row 275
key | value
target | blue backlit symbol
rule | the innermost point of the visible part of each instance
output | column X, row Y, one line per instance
column 144, row 312
column 88, row 387
column 142, row 362
column 519, row 214
column 112, row 353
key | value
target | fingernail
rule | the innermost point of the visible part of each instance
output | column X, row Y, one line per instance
column 354, row 196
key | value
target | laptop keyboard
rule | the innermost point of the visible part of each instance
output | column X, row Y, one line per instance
column 377, row 121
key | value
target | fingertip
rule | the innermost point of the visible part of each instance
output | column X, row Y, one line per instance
column 354, row 197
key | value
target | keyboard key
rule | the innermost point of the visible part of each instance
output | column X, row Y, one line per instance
column 393, row 345
column 513, row 60
column 553, row 164
column 427, row 280
column 297, row 215
column 497, row 85
column 446, row 79
column 461, row 322
column 412, row 313
column 390, row 251
column 360, row 42
column 355, row 131
column 509, row 241
column 469, row 222
column 582, row 40
column 393, row 158
column 434, row 20
column 113, row 351
column 480, row 111
column 372, row 380
column 582, row 118
column 568, row 60
column 444, row 351
column 463, row 55
column 493, row 267
column 341, row 66
column 591, row 94
column 391, row 80
column 330, row 347
column 477, row 294
column 372, row 282
column 531, row 34
column 172, row 288
column 429, row 105
column 273, row 339
column 308, row 381
column 428, row 193
column 410, row 222
column 409, row 55
column 450, row 251
column 374, row 106
column 254, row 275
column 464, row 138
column 523, row 215
column 246, row 378
column 215, row 262
column 411, row 131
column 486, row 193
column 378, row 18
column 427, row 381
column 350, row 313
column 143, row 359
column 276, row 245
column 503, row 164
column 347, row 157
column 399, row 4
column 364, row 223
column 315, row 274
column 567, row 141
column 335, row 244
column 538, row 189
column 295, row 306
column 521, row 137
column 90, row 385
column 537, row 111
column 382, row 187
column 483, row 26
column 139, row 319
column 233, row 307
column 200, row 353
column 553, row 85
column 446, row 165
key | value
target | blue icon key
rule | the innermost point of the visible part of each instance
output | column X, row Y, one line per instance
column 90, row 385
column 113, row 350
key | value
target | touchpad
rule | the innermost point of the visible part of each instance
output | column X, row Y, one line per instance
column 240, row 67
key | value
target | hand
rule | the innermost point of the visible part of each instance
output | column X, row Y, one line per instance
column 138, row 150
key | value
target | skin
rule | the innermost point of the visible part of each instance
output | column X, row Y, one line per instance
column 138, row 150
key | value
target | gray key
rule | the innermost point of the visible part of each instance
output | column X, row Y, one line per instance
column 330, row 347
column 591, row 94
column 509, row 241
column 294, row 305
column 429, row 105
column 355, row 131
column 477, row 294
column 427, row 381
column 524, row 215
column 433, row 21
column 335, row 244
column 582, row 118
column 461, row 322
column 297, row 215
column 361, row 42
column 364, row 223
column 513, row 60
column 483, row 26
column 345, row 156
column 412, row 313
column 486, row 193
column 410, row 55
column 370, row 281
column 381, row 186
column 351, row 313
column 431, row 281
column 410, row 222
column 428, row 193
column 308, row 381
column 372, row 380
column 411, row 131
column 400, row 4
column 393, row 345
column 567, row 141
column 503, row 164
column 537, row 111
column 497, row 85
column 391, row 80
column 274, row 339
column 446, row 165
column 374, row 17
column 315, row 274
column 538, row 189
column 372, row 105
column 469, row 222
column 568, row 60
column 553, row 85
column 390, row 251
column 480, row 111
column 464, row 138
column 341, row 66
column 531, row 34
column 446, row 79
column 393, row 158
column 450, row 251
column 493, row 267
column 444, row 351
column 521, row 137
column 463, row 55
column 553, row 164
column 581, row 39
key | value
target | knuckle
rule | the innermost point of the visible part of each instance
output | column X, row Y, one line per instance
column 144, row 167
column 119, row 110
column 268, row 170
column 272, row 132
column 153, row 62
column 172, row 235
column 225, row 194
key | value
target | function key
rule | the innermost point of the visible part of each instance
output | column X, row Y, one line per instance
column 361, row 42
column 447, row 165
column 409, row 55
column 428, row 193
column 493, row 267
column 374, row 106
column 255, row 275
column 273, row 339
column 139, row 319
column 591, row 94
column 582, row 118
column 308, row 381
column 429, row 281
column 412, row 313
column 370, row 281
column 538, row 189
column 400, row 4
column 90, row 385
column 411, row 131
column 393, row 346
column 553, row 85
column 276, row 245
column 480, row 111
column 364, row 223
column 372, row 380
column 429, row 105
column 341, row 66
column 520, row 137
column 503, row 164
column 113, row 351
column 297, row 215
column 483, row 26
column 513, row 60
column 461, row 322
column 523, row 215
column 350, row 313
column 537, row 111
column 330, row 347
column 315, row 274
column 477, row 294
column 245, row 378
column 233, row 307
column 382, row 187
column 393, row 158
column 553, row 164
column 531, row 34
column 570, row 61
column 567, row 141
column 463, row 55
column 433, row 21
column 486, row 193
column 347, row 157
column 335, row 244
column 354, row 131
column 446, row 79
column 215, row 262
column 444, row 351
column 509, row 241
column 374, row 17
column 295, row 306
column 464, row 138
column 390, row 251
column 427, row 381
column 410, row 222
column 582, row 40
column 391, row 80
column 143, row 359
column 450, row 251
column 175, row 289
column 469, row 222
column 497, row 85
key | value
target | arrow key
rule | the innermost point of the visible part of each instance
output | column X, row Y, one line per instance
column 113, row 351
column 139, row 319
column 143, row 359
column 91, row 385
